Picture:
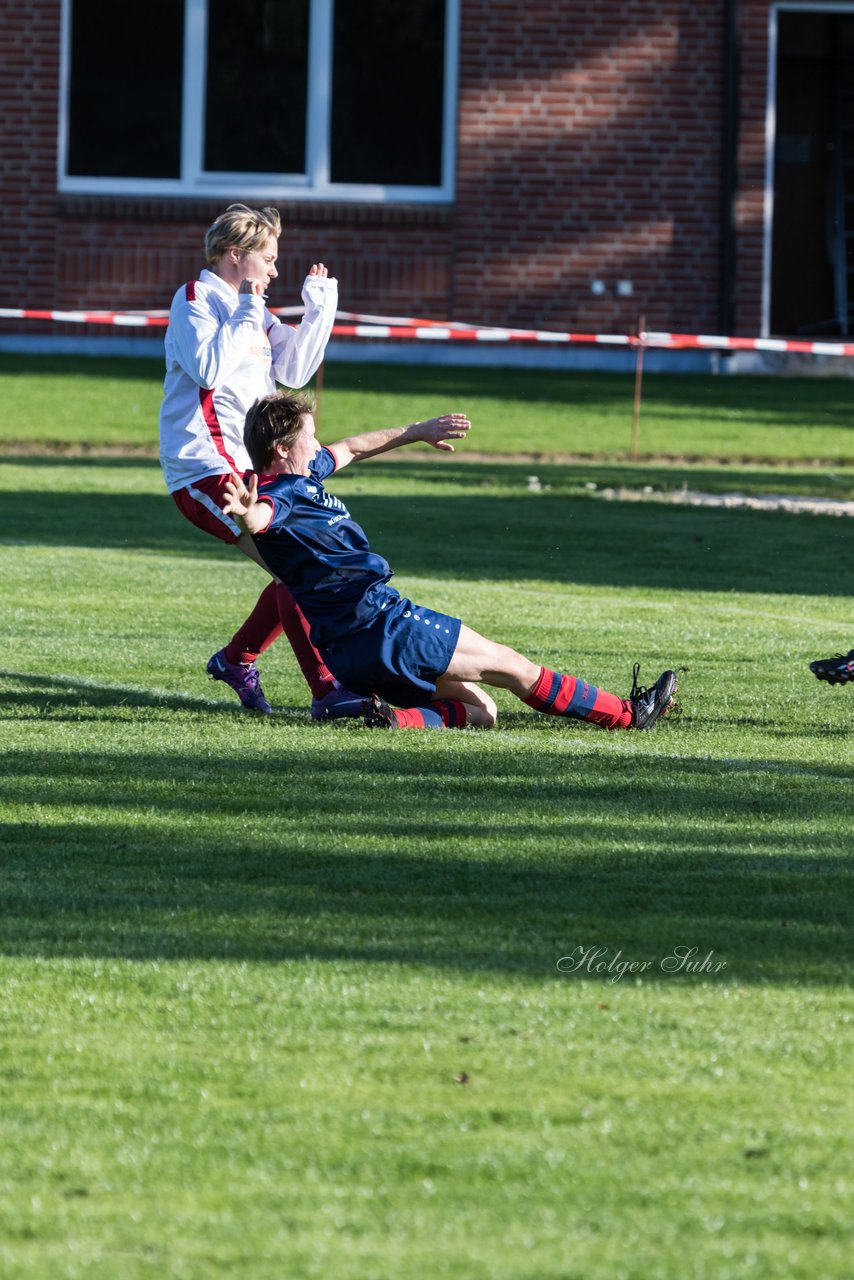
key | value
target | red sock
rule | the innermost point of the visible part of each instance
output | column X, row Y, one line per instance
column 259, row 630
column 558, row 695
column 318, row 676
column 452, row 711
column 447, row 713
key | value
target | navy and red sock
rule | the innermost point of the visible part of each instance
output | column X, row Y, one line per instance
column 446, row 713
column 559, row 695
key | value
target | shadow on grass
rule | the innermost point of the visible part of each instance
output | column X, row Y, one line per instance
column 67, row 693
column 358, row 849
column 495, row 536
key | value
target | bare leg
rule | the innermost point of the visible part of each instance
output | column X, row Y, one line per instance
column 246, row 544
column 481, row 710
column 481, row 660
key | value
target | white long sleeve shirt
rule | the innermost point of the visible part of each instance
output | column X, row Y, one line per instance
column 223, row 350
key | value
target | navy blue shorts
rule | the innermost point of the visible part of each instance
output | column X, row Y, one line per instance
column 400, row 655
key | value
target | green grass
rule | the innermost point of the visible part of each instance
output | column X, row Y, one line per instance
column 110, row 402
column 283, row 999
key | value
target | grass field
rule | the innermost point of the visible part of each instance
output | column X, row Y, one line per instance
column 111, row 402
column 284, row 999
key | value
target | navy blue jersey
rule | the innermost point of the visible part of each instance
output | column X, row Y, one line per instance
column 315, row 546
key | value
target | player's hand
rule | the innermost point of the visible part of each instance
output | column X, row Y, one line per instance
column 318, row 269
column 239, row 500
column 439, row 432
column 252, row 286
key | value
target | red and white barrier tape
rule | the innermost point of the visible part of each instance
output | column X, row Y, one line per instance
column 361, row 318
column 683, row 341
column 355, row 325
column 134, row 319
column 141, row 319
column 460, row 333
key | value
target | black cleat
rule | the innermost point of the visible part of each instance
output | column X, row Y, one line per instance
column 649, row 705
column 378, row 714
column 837, row 670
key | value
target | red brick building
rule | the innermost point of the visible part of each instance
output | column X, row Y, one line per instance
column 552, row 164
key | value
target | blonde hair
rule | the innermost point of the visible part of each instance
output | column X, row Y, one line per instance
column 242, row 228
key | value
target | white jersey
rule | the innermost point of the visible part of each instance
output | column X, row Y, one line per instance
column 223, row 350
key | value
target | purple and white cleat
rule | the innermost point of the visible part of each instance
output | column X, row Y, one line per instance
column 244, row 680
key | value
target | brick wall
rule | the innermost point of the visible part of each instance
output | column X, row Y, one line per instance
column 29, row 89
column 589, row 147
column 135, row 253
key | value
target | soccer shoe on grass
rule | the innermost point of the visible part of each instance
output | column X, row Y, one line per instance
column 378, row 714
column 837, row 670
column 244, row 680
column 337, row 704
column 649, row 705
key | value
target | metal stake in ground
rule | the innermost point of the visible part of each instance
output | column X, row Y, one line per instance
column 638, row 386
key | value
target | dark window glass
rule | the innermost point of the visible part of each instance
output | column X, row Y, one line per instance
column 388, row 89
column 257, row 77
column 125, row 94
column 812, row 250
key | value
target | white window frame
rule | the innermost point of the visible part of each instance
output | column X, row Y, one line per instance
column 797, row 6
column 315, row 183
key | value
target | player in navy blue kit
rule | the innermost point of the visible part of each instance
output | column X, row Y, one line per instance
column 416, row 668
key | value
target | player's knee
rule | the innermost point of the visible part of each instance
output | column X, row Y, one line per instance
column 484, row 716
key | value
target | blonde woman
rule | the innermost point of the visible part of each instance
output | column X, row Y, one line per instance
column 224, row 350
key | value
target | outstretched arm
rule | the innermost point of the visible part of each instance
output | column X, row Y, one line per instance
column 438, row 432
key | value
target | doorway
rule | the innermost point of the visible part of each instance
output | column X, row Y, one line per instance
column 812, row 243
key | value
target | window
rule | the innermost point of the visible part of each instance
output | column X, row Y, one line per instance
column 119, row 127
column 387, row 91
column 332, row 99
column 811, row 250
column 257, row 70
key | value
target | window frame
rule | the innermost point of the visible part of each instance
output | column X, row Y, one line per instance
column 314, row 184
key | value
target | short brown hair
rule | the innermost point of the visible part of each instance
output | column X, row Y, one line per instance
column 241, row 228
column 272, row 420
